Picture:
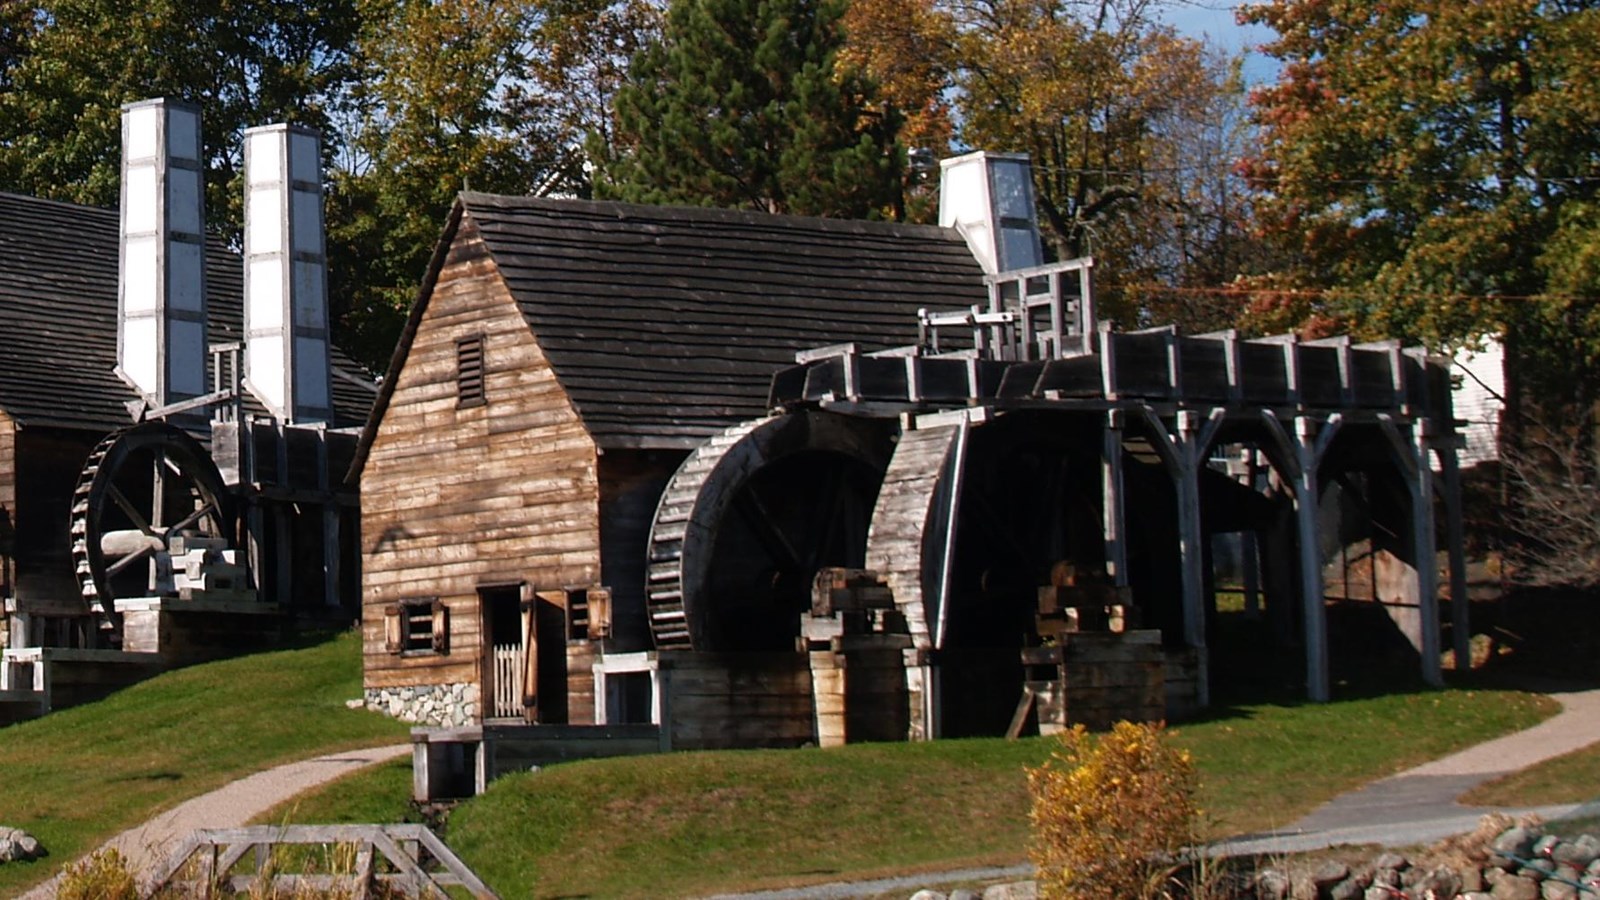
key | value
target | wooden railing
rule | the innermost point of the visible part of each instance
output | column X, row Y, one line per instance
column 383, row 860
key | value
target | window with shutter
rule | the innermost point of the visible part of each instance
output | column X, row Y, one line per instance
column 469, row 371
column 417, row 626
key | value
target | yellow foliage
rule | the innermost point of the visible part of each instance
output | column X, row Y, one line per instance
column 1111, row 815
column 106, row 875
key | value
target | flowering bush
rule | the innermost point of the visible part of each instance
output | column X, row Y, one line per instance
column 1111, row 815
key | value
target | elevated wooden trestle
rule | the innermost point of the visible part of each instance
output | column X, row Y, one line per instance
column 1180, row 397
column 1002, row 420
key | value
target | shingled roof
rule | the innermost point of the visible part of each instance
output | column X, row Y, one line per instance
column 58, row 318
column 666, row 324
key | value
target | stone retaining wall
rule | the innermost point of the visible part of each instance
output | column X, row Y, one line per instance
column 445, row 705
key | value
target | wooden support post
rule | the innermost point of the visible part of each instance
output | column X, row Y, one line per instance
column 1303, row 452
column 330, row 523
column 1412, row 456
column 283, row 532
column 1460, row 604
column 1425, row 549
column 1113, row 512
column 1185, row 454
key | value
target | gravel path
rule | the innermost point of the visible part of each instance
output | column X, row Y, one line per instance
column 232, row 805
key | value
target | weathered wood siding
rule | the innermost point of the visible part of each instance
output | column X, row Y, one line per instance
column 721, row 701
column 48, row 462
column 453, row 497
column 8, row 507
column 631, row 482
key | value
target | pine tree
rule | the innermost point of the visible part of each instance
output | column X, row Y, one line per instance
column 742, row 104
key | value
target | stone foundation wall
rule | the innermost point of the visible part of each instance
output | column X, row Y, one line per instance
column 446, row 705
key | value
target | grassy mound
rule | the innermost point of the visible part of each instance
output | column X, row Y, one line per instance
column 697, row 823
column 77, row 777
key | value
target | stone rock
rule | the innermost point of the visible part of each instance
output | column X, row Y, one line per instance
column 1476, row 895
column 1472, row 880
column 1578, row 852
column 1386, row 878
column 1329, row 874
column 1440, row 884
column 965, row 894
column 1537, row 869
column 926, row 894
column 1546, row 845
column 17, row 845
column 1391, row 860
column 1016, row 890
column 1269, row 884
column 1377, row 892
column 1348, row 889
column 1513, row 842
column 1558, row 890
column 1515, row 887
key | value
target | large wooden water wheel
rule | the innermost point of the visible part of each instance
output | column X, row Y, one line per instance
column 140, row 488
column 972, row 520
column 750, row 517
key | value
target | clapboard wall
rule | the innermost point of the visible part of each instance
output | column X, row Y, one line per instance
column 456, row 496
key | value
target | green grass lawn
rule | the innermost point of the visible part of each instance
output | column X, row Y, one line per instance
column 76, row 777
column 692, row 823
column 1572, row 778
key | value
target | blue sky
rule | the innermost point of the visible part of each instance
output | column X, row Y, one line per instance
column 1214, row 19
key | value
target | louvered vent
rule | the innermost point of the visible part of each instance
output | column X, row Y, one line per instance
column 469, row 371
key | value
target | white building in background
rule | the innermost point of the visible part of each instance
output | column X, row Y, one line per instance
column 1479, row 400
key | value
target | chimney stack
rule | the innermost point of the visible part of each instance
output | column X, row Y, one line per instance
column 161, row 300
column 988, row 197
column 286, row 272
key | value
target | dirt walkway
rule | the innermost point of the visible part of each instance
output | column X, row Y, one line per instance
column 233, row 805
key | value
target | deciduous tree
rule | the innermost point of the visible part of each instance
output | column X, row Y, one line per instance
column 1431, row 166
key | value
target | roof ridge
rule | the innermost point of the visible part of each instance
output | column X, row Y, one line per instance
column 479, row 202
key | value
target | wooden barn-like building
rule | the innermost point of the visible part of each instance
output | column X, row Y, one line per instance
column 564, row 360
column 763, row 480
column 149, row 467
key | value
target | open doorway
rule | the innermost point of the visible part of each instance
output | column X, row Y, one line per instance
column 505, row 658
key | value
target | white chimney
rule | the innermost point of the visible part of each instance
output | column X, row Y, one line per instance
column 286, row 274
column 161, row 297
column 988, row 197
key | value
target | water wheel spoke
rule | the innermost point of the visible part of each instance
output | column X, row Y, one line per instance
column 126, row 561
column 132, row 512
column 191, row 518
column 771, row 537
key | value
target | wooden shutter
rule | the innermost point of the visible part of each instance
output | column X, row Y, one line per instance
column 441, row 627
column 599, row 603
column 530, row 660
column 394, row 624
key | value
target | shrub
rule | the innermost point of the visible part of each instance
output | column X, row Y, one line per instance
column 105, row 875
column 1111, row 816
